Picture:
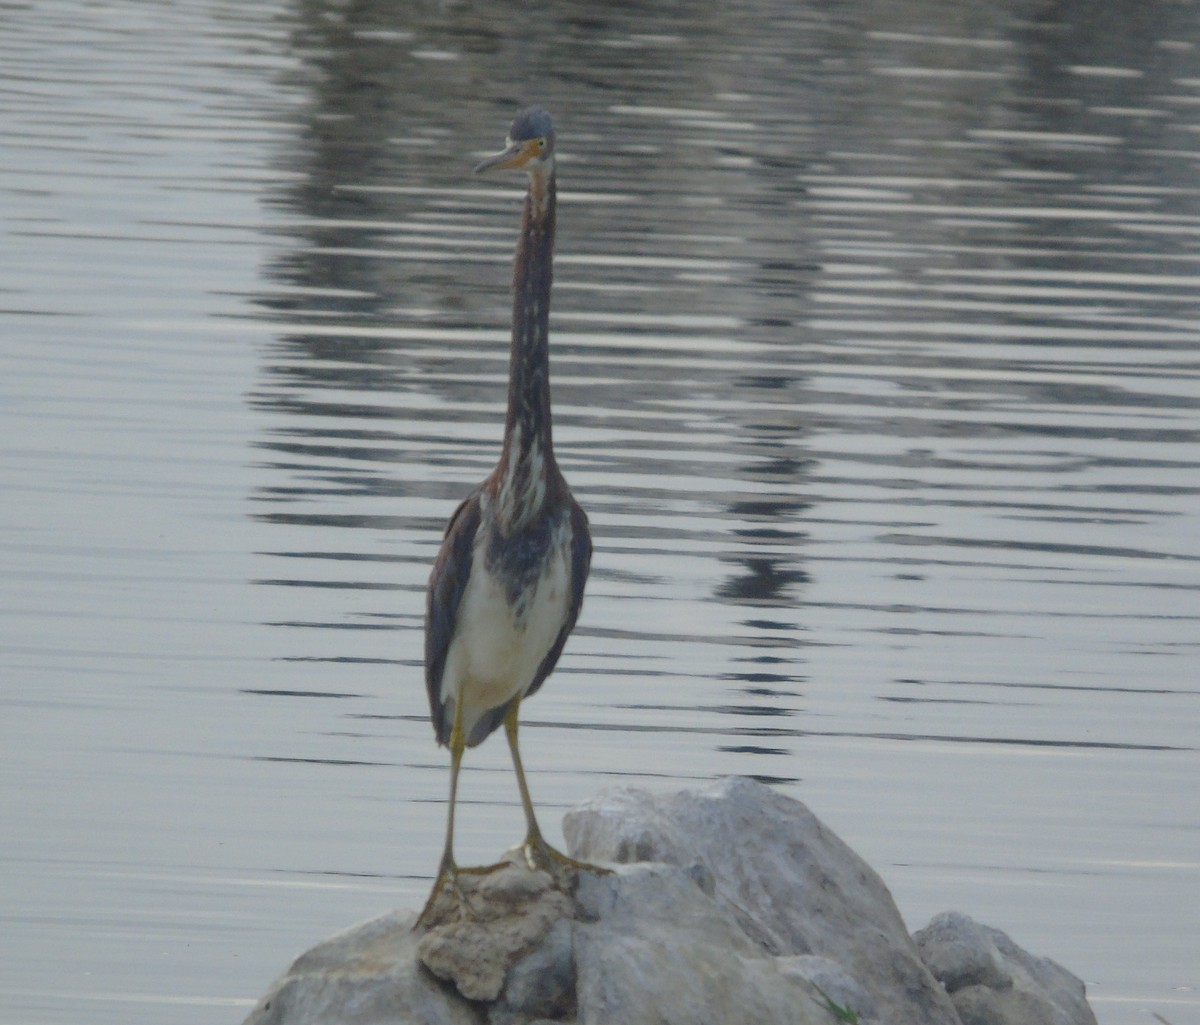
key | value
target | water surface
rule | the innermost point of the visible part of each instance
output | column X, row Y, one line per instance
column 874, row 345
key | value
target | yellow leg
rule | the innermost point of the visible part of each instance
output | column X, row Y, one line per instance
column 447, row 874
column 539, row 853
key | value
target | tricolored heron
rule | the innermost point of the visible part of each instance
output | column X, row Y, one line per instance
column 508, row 582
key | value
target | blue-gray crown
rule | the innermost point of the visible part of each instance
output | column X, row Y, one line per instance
column 532, row 123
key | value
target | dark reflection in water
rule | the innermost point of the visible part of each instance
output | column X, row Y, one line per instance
column 874, row 341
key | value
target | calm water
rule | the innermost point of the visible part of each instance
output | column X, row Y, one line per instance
column 875, row 356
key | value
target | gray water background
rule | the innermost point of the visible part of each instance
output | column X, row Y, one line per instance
column 875, row 343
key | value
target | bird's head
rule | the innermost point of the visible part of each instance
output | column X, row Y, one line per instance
column 530, row 144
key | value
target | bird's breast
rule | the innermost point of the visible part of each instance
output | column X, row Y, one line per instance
column 509, row 618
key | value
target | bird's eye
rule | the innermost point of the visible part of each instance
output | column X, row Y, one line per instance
column 541, row 144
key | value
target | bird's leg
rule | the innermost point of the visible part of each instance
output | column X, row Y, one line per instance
column 538, row 852
column 447, row 874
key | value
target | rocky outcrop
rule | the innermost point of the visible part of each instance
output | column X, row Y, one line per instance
column 787, row 879
column 733, row 904
column 992, row 981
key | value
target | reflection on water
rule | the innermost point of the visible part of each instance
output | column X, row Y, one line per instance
column 874, row 343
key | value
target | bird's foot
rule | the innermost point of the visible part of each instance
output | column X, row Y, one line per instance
column 449, row 879
column 562, row 868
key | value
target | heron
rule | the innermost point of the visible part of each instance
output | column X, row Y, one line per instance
column 507, row 585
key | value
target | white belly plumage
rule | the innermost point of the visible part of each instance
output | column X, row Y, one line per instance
column 495, row 652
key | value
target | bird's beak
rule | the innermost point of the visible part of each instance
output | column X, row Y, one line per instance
column 518, row 154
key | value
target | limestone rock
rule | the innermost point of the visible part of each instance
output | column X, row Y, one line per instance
column 368, row 975
column 542, row 985
column 659, row 949
column 779, row 871
column 832, row 982
column 511, row 911
column 992, row 981
column 734, row 905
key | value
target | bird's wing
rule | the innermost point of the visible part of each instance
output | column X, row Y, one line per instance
column 447, row 583
column 581, row 561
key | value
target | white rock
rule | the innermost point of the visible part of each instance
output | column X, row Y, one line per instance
column 787, row 879
column 541, row 985
column 660, row 950
column 992, row 981
column 368, row 975
column 743, row 910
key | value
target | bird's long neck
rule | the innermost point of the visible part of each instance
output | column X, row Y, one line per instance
column 527, row 462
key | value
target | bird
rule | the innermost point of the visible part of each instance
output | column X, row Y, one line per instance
column 507, row 585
